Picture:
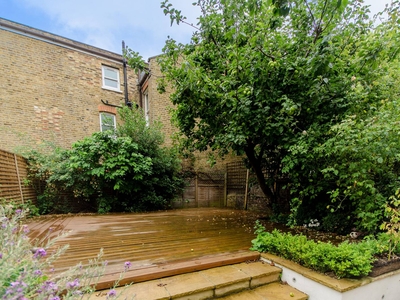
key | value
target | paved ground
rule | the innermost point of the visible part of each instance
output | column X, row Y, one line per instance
column 255, row 281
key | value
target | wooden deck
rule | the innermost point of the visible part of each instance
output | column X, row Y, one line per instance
column 189, row 239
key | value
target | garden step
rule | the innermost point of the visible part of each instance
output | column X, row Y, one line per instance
column 273, row 291
column 156, row 271
column 207, row 284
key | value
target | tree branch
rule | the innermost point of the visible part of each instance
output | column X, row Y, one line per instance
column 265, row 54
column 309, row 10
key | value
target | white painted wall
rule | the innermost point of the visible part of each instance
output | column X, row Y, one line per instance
column 385, row 288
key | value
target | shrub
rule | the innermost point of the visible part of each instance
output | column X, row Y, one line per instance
column 30, row 209
column 345, row 260
column 45, row 166
column 125, row 170
column 392, row 224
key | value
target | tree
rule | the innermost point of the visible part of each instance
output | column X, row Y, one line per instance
column 264, row 78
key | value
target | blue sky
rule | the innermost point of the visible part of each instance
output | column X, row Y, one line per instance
column 141, row 24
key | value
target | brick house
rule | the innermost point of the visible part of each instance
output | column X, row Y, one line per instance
column 59, row 90
column 56, row 89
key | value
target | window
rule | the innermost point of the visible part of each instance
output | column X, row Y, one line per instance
column 107, row 122
column 146, row 108
column 110, row 78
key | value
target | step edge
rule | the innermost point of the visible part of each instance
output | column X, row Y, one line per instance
column 109, row 282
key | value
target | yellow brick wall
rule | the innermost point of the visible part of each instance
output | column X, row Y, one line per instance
column 50, row 92
column 159, row 104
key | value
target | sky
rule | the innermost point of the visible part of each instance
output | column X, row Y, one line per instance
column 104, row 24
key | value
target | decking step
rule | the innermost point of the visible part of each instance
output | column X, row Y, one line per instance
column 156, row 271
column 207, row 284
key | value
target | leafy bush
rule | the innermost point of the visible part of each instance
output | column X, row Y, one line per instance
column 392, row 224
column 364, row 164
column 358, row 172
column 345, row 260
column 30, row 209
column 125, row 170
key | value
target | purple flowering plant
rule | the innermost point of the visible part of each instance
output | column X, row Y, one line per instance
column 127, row 265
column 25, row 264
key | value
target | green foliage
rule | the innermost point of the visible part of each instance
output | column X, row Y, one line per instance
column 135, row 60
column 345, row 260
column 30, row 209
column 273, row 80
column 165, row 181
column 125, row 170
column 103, row 166
column 44, row 162
column 357, row 159
column 148, row 138
column 361, row 159
column 25, row 264
column 392, row 225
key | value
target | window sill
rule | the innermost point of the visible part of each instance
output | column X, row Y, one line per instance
column 111, row 89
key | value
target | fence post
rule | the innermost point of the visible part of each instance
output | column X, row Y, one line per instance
column 19, row 179
column 246, row 190
column 196, row 191
column 226, row 188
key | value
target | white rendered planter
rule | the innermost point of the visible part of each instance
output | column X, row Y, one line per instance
column 321, row 287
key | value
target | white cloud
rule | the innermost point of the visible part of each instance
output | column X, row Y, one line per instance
column 376, row 5
column 142, row 24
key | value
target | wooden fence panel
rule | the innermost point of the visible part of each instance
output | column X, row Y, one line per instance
column 206, row 190
column 13, row 176
column 188, row 199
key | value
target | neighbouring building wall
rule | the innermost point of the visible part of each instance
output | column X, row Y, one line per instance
column 51, row 87
column 159, row 108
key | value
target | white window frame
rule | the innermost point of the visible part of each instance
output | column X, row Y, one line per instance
column 104, row 77
column 112, row 116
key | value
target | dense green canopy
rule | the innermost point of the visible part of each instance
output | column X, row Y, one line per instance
column 273, row 80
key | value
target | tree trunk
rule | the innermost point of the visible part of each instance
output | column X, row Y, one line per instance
column 256, row 166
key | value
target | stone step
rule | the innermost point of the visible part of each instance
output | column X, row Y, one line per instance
column 272, row 291
column 207, row 284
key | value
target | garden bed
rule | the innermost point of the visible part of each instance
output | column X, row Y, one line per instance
column 382, row 266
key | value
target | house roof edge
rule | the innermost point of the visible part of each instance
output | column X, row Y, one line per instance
column 57, row 39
